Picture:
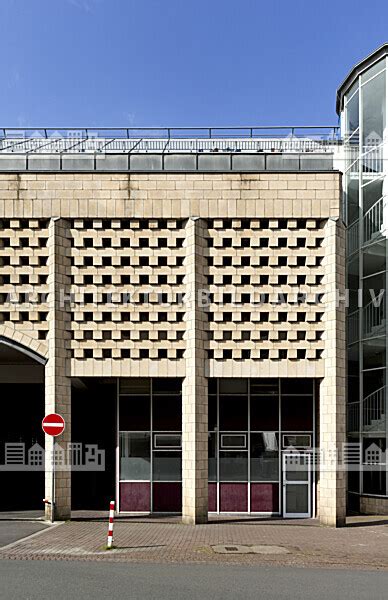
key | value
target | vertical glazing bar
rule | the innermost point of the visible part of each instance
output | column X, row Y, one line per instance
column 118, row 444
column 360, row 275
column 218, row 447
column 314, row 457
column 249, row 445
column 280, row 477
column 385, row 172
column 151, row 448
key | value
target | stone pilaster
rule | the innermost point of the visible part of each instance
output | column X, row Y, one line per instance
column 57, row 370
column 194, row 400
column 332, row 406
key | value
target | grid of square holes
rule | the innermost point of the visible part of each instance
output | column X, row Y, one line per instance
column 127, row 280
column 265, row 279
column 23, row 275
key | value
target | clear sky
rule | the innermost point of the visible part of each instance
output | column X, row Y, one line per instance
column 180, row 62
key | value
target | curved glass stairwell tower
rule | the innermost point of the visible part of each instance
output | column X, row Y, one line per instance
column 362, row 105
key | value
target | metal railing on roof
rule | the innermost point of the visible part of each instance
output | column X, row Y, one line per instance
column 168, row 139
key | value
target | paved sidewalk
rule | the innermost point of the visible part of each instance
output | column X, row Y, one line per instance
column 362, row 544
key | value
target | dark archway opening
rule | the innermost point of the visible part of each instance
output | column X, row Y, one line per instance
column 22, row 411
column 93, row 417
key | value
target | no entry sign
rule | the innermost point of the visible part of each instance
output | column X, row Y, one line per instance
column 53, row 424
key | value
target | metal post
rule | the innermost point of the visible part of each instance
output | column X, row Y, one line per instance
column 53, row 483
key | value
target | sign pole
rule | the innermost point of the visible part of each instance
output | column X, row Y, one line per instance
column 53, row 483
column 53, row 425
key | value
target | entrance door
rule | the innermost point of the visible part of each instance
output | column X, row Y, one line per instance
column 296, row 484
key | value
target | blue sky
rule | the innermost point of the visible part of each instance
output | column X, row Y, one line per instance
column 180, row 62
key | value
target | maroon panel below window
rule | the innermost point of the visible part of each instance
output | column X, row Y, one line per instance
column 135, row 497
column 167, row 497
column 212, row 504
column 264, row 497
column 233, row 497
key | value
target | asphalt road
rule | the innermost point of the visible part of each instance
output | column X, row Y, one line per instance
column 66, row 580
column 11, row 531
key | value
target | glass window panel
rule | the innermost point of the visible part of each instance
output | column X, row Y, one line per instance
column 352, row 198
column 297, row 413
column 374, row 353
column 374, row 258
column 233, row 386
column 135, row 453
column 134, row 413
column 264, row 412
column 374, row 449
column 212, row 454
column 374, row 475
column 163, row 440
column 373, row 117
column 297, row 475
column 297, row 467
column 265, row 386
column 352, row 90
column 297, row 499
column 167, row 466
column 353, row 373
column 374, row 481
column 353, row 279
column 373, row 70
column 230, row 440
column 167, row 385
column 297, row 385
column 352, row 115
column 234, row 413
column 234, row 466
column 297, row 441
column 373, row 381
column 212, row 386
column 370, row 194
column 265, row 456
column 167, row 413
column 212, row 413
column 135, row 386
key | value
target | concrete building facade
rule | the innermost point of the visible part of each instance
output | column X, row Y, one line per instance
column 177, row 298
column 227, row 286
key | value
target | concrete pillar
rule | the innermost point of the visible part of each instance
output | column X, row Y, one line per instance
column 57, row 370
column 194, row 396
column 332, row 406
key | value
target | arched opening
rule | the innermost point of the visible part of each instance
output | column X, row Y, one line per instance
column 22, row 410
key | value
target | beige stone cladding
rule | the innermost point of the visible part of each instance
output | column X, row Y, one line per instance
column 267, row 255
column 57, row 370
column 194, row 391
column 127, row 235
column 332, row 406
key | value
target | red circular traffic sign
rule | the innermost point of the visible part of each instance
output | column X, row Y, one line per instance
column 53, row 424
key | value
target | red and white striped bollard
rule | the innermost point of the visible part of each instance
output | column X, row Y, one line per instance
column 111, row 520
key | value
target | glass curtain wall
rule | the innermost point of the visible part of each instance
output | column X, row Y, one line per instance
column 250, row 422
column 150, row 445
column 365, row 192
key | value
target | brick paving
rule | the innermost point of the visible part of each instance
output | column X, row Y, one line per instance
column 363, row 544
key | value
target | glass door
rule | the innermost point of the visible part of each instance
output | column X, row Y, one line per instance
column 296, row 484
